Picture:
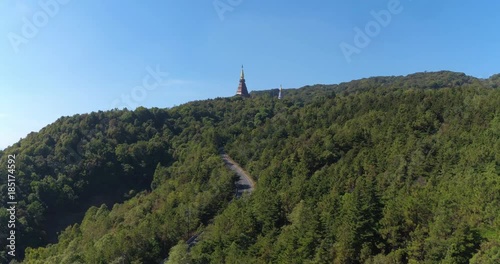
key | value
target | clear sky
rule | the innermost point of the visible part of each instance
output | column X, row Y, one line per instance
column 76, row 56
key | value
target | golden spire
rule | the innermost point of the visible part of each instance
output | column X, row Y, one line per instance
column 242, row 75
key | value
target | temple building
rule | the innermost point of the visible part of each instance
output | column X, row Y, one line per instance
column 242, row 87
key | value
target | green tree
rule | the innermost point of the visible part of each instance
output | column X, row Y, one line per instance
column 179, row 254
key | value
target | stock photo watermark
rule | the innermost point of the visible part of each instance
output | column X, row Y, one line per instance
column 11, row 205
column 223, row 6
column 151, row 81
column 364, row 36
column 47, row 10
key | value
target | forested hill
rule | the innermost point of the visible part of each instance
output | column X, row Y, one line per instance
column 379, row 170
column 421, row 80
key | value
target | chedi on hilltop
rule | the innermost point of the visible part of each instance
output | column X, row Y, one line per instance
column 242, row 87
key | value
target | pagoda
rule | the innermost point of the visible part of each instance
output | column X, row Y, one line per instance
column 242, row 87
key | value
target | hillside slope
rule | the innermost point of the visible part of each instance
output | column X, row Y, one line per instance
column 379, row 170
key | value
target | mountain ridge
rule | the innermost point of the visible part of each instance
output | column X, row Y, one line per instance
column 318, row 147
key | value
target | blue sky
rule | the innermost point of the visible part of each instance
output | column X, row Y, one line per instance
column 75, row 56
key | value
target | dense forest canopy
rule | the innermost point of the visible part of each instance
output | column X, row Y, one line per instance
column 380, row 170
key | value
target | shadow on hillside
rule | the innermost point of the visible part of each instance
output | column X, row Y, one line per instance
column 57, row 222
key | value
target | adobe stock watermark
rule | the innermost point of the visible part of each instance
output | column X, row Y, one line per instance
column 223, row 6
column 151, row 81
column 372, row 29
column 48, row 9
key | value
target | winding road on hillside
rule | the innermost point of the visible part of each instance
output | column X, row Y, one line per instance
column 244, row 184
